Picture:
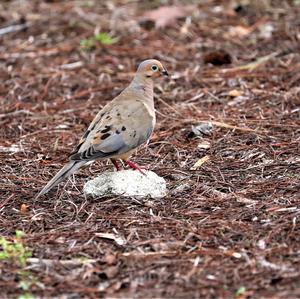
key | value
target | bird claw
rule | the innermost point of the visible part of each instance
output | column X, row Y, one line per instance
column 118, row 168
column 134, row 166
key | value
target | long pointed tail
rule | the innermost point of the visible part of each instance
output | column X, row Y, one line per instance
column 66, row 171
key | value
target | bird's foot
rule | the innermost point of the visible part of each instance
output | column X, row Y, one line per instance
column 118, row 168
column 134, row 166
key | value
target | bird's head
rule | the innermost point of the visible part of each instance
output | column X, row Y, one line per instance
column 151, row 68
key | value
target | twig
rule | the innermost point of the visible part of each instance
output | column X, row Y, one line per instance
column 49, row 262
column 14, row 113
column 13, row 28
column 252, row 65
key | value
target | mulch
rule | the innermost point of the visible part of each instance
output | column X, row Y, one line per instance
column 229, row 227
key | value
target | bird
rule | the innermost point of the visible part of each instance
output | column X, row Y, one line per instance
column 119, row 128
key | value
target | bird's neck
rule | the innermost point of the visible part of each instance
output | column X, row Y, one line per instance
column 143, row 89
column 143, row 86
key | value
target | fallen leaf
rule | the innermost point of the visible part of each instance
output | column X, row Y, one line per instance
column 233, row 253
column 240, row 31
column 24, row 208
column 266, row 30
column 201, row 129
column 238, row 100
column 184, row 30
column 118, row 239
column 204, row 144
column 110, row 259
column 200, row 162
column 234, row 93
column 167, row 15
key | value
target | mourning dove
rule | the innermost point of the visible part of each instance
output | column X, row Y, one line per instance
column 120, row 127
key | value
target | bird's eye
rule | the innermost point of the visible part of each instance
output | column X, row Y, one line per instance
column 154, row 68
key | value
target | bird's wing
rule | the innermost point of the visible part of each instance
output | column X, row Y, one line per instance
column 119, row 127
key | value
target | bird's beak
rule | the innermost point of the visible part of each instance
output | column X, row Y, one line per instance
column 164, row 72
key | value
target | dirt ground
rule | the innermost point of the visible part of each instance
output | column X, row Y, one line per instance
column 229, row 227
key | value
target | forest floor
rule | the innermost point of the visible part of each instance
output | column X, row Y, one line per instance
column 226, row 140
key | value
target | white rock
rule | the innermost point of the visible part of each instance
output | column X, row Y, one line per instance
column 127, row 183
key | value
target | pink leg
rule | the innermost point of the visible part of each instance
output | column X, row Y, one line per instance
column 116, row 164
column 134, row 166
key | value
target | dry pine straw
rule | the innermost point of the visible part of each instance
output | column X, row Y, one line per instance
column 231, row 223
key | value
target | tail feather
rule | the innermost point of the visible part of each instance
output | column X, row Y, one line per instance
column 65, row 172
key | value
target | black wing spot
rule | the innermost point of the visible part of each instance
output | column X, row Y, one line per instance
column 118, row 132
column 134, row 133
column 107, row 129
column 104, row 136
column 123, row 128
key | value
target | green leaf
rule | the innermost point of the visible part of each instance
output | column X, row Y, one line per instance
column 3, row 242
column 105, row 39
column 87, row 44
column 26, row 296
column 3, row 255
column 24, row 285
column 19, row 234
column 240, row 291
